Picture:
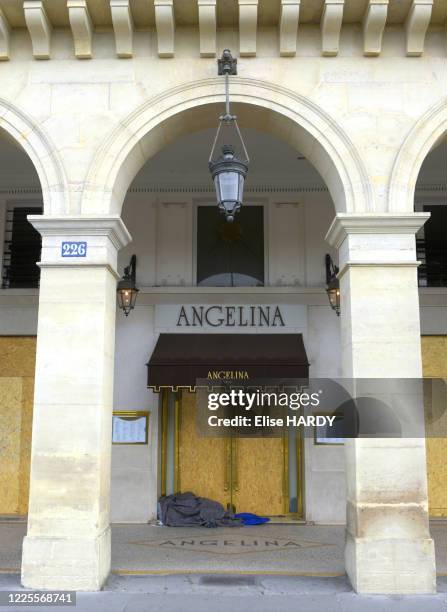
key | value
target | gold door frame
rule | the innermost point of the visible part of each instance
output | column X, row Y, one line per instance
column 231, row 457
column 177, row 425
column 163, row 440
column 164, row 413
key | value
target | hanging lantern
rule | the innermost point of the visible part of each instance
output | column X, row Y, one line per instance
column 127, row 290
column 229, row 174
column 227, row 170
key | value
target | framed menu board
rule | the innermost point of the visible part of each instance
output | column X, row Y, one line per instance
column 130, row 427
column 330, row 435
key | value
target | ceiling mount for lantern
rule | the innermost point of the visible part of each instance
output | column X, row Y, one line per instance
column 228, row 171
column 227, row 64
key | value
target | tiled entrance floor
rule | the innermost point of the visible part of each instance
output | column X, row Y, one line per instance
column 287, row 549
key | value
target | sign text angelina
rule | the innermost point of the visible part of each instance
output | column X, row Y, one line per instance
column 230, row 316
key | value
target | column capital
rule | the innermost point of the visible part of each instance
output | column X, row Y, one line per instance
column 345, row 224
column 101, row 239
column 111, row 226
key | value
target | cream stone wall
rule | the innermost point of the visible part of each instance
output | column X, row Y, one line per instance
column 134, row 469
column 69, row 503
column 388, row 544
column 166, row 264
column 365, row 123
column 360, row 110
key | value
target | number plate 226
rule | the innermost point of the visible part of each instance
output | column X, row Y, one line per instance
column 74, row 249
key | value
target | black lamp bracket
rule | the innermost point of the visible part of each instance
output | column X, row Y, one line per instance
column 227, row 64
column 130, row 271
column 331, row 269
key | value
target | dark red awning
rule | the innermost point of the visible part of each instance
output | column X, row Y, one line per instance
column 179, row 360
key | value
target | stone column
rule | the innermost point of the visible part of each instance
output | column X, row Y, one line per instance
column 388, row 545
column 67, row 545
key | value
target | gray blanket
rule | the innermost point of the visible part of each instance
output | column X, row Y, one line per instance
column 186, row 510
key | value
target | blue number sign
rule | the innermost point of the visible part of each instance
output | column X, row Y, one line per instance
column 74, row 249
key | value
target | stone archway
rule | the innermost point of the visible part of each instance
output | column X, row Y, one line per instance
column 67, row 530
column 42, row 153
column 424, row 136
column 193, row 106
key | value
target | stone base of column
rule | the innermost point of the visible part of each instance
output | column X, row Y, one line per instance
column 391, row 566
column 71, row 564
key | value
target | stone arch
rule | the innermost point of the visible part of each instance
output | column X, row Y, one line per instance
column 43, row 155
column 193, row 106
column 423, row 137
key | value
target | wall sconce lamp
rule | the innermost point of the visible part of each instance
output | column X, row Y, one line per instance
column 332, row 284
column 127, row 290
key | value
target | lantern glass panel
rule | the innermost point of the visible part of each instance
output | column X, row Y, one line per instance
column 241, row 187
column 126, row 296
column 228, row 186
column 334, row 298
column 126, row 299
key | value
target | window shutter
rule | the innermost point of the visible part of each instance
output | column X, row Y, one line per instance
column 22, row 249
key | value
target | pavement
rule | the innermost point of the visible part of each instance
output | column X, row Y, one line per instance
column 267, row 549
column 264, row 569
column 205, row 593
column 295, row 550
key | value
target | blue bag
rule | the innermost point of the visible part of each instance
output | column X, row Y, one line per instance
column 251, row 519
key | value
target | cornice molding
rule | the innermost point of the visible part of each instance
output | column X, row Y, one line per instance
column 113, row 227
column 435, row 187
column 81, row 28
column 165, row 25
column 373, row 26
column 432, row 187
column 189, row 189
column 39, row 28
column 5, row 36
column 413, row 20
column 123, row 27
column 210, row 189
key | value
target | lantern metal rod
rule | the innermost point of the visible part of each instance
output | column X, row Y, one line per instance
column 227, row 96
column 234, row 121
column 227, row 65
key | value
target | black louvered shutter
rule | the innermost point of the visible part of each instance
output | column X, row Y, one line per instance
column 435, row 231
column 25, row 247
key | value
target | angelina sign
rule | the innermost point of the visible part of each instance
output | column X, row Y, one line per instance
column 230, row 317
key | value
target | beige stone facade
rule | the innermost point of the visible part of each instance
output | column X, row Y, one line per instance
column 94, row 92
